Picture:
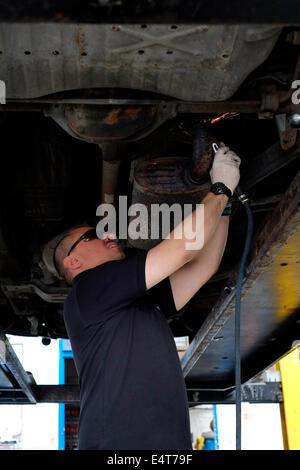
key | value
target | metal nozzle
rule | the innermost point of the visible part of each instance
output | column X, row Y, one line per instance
column 215, row 147
column 242, row 197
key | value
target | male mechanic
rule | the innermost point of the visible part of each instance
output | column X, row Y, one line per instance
column 132, row 388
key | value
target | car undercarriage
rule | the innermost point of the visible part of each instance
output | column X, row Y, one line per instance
column 97, row 111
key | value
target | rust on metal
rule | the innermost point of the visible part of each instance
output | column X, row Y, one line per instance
column 112, row 117
column 121, row 113
column 202, row 154
column 178, row 175
column 112, row 153
column 109, row 122
column 271, row 231
column 166, row 175
column 80, row 41
column 288, row 137
column 110, row 171
column 132, row 112
column 274, row 100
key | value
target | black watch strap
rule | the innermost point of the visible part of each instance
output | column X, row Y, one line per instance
column 220, row 188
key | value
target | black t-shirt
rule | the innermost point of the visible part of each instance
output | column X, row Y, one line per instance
column 132, row 390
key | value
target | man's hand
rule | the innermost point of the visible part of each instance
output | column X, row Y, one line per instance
column 187, row 280
column 225, row 168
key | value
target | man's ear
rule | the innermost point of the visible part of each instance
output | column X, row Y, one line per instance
column 72, row 263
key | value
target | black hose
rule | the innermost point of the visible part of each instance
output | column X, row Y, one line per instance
column 237, row 327
column 238, row 397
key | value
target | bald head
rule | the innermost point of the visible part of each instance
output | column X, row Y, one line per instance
column 85, row 255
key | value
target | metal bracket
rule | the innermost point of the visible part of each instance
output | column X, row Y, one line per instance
column 15, row 382
column 267, row 392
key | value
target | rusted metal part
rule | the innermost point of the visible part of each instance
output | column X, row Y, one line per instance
column 202, row 154
column 274, row 101
column 109, row 151
column 287, row 133
column 269, row 100
column 97, row 124
column 80, row 40
column 177, row 203
column 112, row 153
column 110, row 172
column 177, row 175
column 166, row 175
column 184, row 107
column 172, row 181
column 288, row 137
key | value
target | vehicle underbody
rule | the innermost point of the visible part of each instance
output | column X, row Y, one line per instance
column 97, row 111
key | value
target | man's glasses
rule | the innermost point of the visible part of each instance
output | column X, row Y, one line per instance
column 86, row 237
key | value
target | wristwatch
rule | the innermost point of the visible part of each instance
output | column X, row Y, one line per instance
column 220, row 188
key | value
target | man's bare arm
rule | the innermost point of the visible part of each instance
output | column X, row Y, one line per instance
column 171, row 254
column 192, row 276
